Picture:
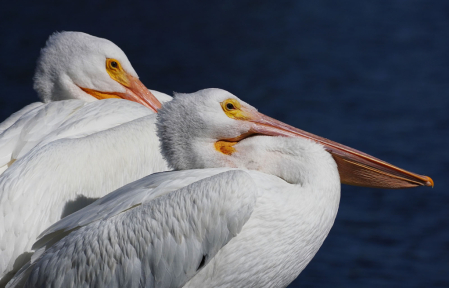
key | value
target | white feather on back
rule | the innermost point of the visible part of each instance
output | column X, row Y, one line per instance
column 164, row 240
column 89, row 150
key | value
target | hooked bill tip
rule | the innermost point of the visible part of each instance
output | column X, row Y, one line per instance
column 429, row 181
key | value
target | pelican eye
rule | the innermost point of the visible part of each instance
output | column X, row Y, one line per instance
column 116, row 72
column 230, row 105
column 113, row 64
column 233, row 109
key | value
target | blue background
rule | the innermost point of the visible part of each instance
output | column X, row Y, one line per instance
column 373, row 75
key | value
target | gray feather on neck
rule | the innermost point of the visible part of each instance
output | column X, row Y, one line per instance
column 177, row 121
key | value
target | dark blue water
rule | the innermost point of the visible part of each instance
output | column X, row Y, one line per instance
column 374, row 76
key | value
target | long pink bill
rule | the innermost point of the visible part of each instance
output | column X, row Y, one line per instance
column 355, row 167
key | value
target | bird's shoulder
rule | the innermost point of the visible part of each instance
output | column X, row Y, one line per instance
column 185, row 219
column 16, row 115
column 39, row 125
column 125, row 198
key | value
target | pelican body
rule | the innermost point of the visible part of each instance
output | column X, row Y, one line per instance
column 61, row 154
column 244, row 208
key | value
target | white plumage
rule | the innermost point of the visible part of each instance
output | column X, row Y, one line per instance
column 57, row 155
column 212, row 227
column 74, row 65
column 83, row 158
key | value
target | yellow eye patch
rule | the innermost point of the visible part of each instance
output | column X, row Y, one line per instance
column 116, row 72
column 232, row 109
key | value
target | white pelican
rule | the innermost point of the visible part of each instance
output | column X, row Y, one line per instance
column 57, row 155
column 256, row 223
column 72, row 65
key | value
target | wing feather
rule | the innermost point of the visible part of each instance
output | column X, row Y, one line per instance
column 67, row 150
column 123, row 199
column 162, row 243
column 38, row 125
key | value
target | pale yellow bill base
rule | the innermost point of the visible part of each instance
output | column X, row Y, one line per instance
column 135, row 91
column 355, row 167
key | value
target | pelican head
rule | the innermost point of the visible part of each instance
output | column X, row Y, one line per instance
column 75, row 65
column 205, row 129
